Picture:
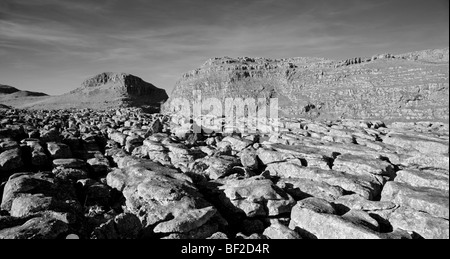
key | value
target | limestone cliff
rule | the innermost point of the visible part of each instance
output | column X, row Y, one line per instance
column 406, row 87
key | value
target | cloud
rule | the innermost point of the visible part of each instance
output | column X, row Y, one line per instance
column 79, row 5
column 159, row 40
column 53, row 35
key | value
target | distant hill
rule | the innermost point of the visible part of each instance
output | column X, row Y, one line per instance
column 14, row 92
column 103, row 91
column 13, row 97
column 6, row 89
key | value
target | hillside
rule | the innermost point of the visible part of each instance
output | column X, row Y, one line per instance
column 104, row 91
column 6, row 89
column 13, row 92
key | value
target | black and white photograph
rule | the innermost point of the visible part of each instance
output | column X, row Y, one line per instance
column 225, row 126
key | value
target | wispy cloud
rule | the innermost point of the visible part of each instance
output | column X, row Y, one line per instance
column 53, row 34
column 74, row 6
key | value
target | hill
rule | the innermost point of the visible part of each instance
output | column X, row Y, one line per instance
column 14, row 92
column 101, row 92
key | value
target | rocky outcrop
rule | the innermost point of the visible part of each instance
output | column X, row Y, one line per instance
column 432, row 55
column 126, row 83
column 407, row 87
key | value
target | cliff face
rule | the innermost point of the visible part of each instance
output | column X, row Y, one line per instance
column 125, row 83
column 407, row 87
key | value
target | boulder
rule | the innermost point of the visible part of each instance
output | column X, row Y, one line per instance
column 249, row 159
column 215, row 167
column 255, row 197
column 45, row 227
column 123, row 226
column 279, row 231
column 11, row 161
column 59, row 150
column 162, row 197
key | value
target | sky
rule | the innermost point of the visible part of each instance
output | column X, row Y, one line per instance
column 52, row 46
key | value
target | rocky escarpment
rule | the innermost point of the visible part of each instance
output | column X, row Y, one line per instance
column 124, row 83
column 124, row 174
column 104, row 91
column 407, row 87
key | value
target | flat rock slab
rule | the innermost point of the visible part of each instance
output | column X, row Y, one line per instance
column 356, row 202
column 313, row 224
column 422, row 223
column 271, row 156
column 423, row 144
column 431, row 178
column 333, row 149
column 315, row 218
column 359, row 165
column 365, row 186
column 433, row 201
column 314, row 157
column 417, row 159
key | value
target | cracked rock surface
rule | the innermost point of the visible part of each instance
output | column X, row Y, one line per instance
column 126, row 174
